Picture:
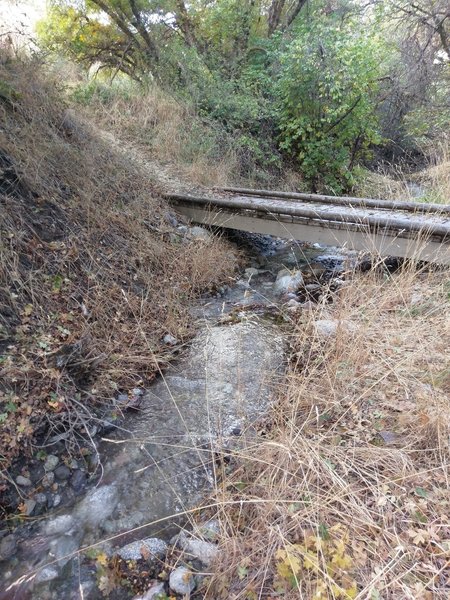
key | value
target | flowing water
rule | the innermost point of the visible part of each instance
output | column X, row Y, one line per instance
column 161, row 462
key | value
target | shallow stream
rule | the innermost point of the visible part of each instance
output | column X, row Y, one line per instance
column 161, row 462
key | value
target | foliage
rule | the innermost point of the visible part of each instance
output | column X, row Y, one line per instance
column 327, row 96
column 327, row 557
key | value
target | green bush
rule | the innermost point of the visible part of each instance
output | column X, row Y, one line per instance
column 326, row 95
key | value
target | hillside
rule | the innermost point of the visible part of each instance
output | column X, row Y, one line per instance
column 94, row 273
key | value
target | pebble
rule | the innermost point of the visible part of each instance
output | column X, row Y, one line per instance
column 46, row 574
column 199, row 233
column 204, row 551
column 29, row 506
column 329, row 327
column 41, row 498
column 182, row 581
column 133, row 551
column 251, row 271
column 78, row 480
column 62, row 472
column 170, row 340
column 155, row 592
column 210, row 530
column 51, row 462
column 23, row 481
column 288, row 283
column 48, row 479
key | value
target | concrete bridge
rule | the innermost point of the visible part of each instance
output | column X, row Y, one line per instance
column 387, row 228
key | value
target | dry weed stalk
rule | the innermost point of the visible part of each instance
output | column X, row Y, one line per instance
column 346, row 494
column 91, row 275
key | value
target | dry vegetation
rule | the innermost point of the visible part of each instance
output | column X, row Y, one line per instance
column 92, row 275
column 346, row 493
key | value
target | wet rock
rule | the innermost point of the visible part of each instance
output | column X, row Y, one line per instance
column 62, row 472
column 51, row 462
column 137, row 550
column 47, row 574
column 8, row 547
column 56, row 500
column 182, row 581
column 78, row 480
column 63, row 548
column 289, row 282
column 23, row 481
column 98, row 505
column 60, row 524
column 170, row 340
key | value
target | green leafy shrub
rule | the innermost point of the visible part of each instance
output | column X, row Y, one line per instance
column 326, row 100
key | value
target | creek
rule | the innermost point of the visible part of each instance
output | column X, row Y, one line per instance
column 161, row 462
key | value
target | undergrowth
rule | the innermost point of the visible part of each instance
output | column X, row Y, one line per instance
column 345, row 493
column 92, row 273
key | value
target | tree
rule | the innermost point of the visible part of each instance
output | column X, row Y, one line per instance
column 327, row 98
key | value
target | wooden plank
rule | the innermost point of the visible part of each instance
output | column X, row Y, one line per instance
column 417, row 207
column 395, row 222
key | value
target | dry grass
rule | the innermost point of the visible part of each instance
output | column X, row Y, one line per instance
column 346, row 493
column 170, row 133
column 92, row 274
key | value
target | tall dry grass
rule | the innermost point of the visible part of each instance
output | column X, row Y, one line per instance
column 92, row 273
column 346, row 492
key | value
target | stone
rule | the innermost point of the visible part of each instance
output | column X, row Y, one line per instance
column 46, row 574
column 182, row 581
column 170, row 340
column 210, row 530
column 202, row 550
column 48, row 479
column 29, row 506
column 56, row 500
column 78, row 480
column 243, row 283
column 23, row 481
column 199, row 233
column 62, row 472
column 8, row 547
column 134, row 551
column 250, row 272
column 289, row 282
column 51, row 462
column 97, row 505
column 60, row 524
column 308, row 305
column 40, row 498
column 157, row 590
column 63, row 548
column 328, row 327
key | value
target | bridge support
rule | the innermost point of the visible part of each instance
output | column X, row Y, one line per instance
column 358, row 237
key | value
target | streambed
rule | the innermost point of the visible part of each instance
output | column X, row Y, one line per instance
column 160, row 463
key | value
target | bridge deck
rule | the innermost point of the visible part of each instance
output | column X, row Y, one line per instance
column 400, row 231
